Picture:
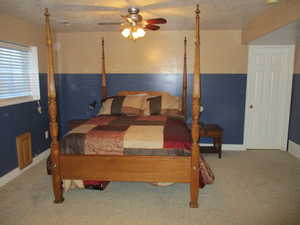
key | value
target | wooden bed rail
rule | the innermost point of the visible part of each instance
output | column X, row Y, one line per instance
column 55, row 149
column 127, row 168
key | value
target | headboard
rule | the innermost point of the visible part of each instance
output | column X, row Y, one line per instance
column 152, row 93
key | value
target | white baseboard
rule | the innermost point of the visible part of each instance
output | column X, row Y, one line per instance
column 228, row 147
column 294, row 149
column 17, row 172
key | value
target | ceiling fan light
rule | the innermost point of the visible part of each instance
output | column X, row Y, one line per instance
column 141, row 32
column 135, row 35
column 125, row 32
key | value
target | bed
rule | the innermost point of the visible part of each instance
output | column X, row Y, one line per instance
column 130, row 162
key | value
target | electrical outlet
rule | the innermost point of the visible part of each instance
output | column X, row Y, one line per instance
column 46, row 134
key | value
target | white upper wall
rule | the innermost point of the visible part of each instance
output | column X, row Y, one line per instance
column 287, row 35
column 157, row 52
column 282, row 14
column 17, row 30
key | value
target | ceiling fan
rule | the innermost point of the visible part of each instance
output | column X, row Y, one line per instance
column 134, row 18
column 134, row 25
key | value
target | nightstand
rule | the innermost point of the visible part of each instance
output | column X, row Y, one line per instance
column 215, row 132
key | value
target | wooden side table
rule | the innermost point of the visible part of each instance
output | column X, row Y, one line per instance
column 215, row 132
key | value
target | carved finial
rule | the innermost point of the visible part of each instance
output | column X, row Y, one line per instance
column 197, row 11
column 103, row 54
column 185, row 50
column 46, row 12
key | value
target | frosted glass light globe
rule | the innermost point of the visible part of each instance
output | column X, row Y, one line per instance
column 126, row 32
column 141, row 32
column 135, row 35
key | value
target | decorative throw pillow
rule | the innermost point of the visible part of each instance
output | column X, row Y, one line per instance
column 128, row 105
column 133, row 104
column 106, row 106
column 163, row 105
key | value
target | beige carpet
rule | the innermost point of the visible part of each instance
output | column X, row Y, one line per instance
column 251, row 188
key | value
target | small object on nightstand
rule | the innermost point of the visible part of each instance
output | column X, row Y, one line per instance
column 201, row 108
column 92, row 106
column 215, row 132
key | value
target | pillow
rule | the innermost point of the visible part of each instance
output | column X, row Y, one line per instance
column 128, row 105
column 163, row 105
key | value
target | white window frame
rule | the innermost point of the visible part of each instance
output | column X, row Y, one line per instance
column 34, row 78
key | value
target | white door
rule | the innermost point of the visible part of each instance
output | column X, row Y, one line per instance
column 269, row 85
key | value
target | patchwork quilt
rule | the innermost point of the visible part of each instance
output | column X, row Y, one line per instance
column 129, row 135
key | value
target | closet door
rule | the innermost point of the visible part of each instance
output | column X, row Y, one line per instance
column 269, row 85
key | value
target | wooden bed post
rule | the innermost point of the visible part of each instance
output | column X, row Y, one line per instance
column 194, row 187
column 184, row 83
column 53, row 125
column 103, row 76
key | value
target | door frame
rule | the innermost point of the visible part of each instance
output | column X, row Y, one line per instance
column 286, row 97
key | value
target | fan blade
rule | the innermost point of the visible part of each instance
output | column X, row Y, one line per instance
column 156, row 21
column 127, row 19
column 152, row 27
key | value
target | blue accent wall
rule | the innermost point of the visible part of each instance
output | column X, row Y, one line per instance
column 75, row 93
column 294, row 129
column 223, row 96
column 21, row 118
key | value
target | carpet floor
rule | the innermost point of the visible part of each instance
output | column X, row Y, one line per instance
column 251, row 188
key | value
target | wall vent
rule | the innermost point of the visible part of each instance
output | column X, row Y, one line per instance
column 24, row 149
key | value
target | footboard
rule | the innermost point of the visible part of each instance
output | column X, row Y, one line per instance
column 126, row 168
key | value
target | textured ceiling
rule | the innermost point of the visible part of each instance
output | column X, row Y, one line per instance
column 83, row 15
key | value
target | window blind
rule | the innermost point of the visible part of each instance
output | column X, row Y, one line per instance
column 18, row 71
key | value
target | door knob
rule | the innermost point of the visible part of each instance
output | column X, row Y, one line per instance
column 251, row 106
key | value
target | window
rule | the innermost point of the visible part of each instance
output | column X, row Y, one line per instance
column 19, row 77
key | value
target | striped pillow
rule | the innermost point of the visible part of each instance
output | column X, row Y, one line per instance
column 127, row 105
column 163, row 105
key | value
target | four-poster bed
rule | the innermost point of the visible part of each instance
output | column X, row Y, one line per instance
column 140, row 168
